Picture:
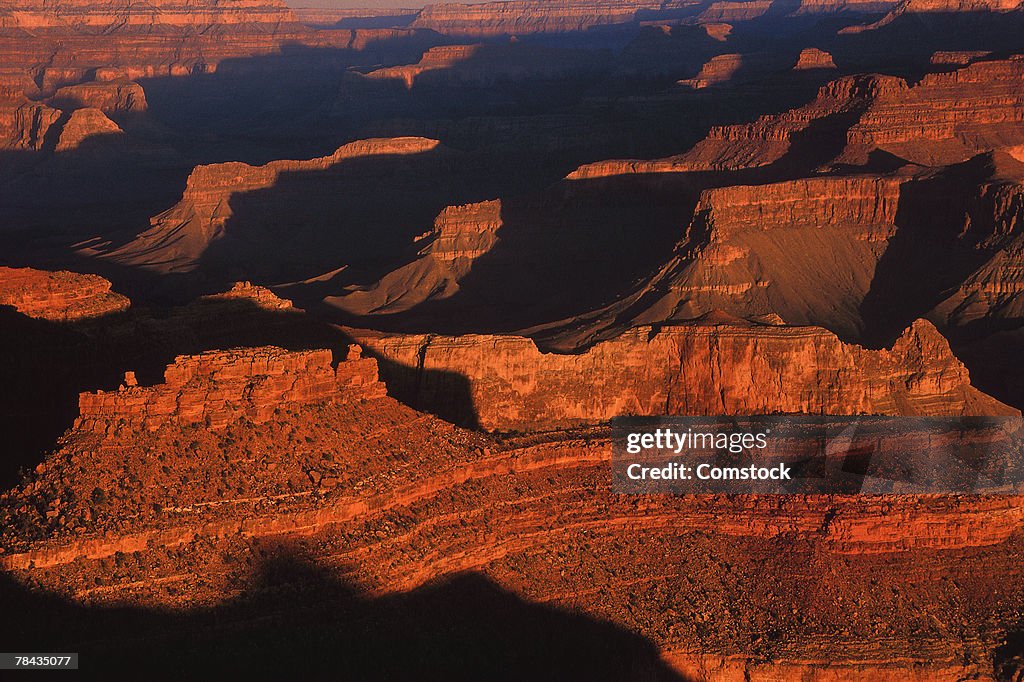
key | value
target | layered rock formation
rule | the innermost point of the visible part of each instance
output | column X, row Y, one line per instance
column 217, row 387
column 521, row 17
column 168, row 495
column 946, row 117
column 461, row 234
column 764, row 141
column 719, row 250
column 91, row 54
column 709, row 368
column 391, row 513
column 84, row 124
column 806, row 250
column 111, row 97
column 38, row 15
column 526, row 16
column 813, row 58
column 859, row 235
column 481, row 64
column 58, row 296
column 180, row 236
column 834, row 252
column 24, row 124
column 719, row 70
column 166, row 37
column 241, row 420
column 910, row 7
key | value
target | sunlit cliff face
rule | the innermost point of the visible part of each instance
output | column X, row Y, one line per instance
column 315, row 323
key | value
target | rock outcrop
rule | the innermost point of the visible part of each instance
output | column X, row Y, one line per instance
column 111, row 97
column 528, row 16
column 827, row 251
column 86, row 125
column 911, row 7
column 180, row 236
column 813, row 58
column 707, row 368
column 461, row 234
column 946, row 117
column 806, row 250
column 523, row 17
column 58, row 296
column 719, row 70
column 258, row 421
column 393, row 514
column 91, row 54
column 24, row 124
column 218, row 387
column 766, row 140
column 127, row 16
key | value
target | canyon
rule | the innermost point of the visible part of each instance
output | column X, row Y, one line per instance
column 318, row 325
column 373, row 506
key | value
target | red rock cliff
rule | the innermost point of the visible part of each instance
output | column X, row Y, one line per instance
column 461, row 234
column 219, row 386
column 58, row 296
column 179, row 236
column 125, row 15
column 690, row 369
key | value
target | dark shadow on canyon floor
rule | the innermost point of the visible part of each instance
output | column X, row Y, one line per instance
column 295, row 620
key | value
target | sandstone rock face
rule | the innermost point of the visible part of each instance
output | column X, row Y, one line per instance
column 443, row 57
column 124, row 15
column 180, row 236
column 395, row 518
column 936, row 6
column 763, row 141
column 88, row 54
column 731, row 11
column 958, row 57
column 813, row 58
column 461, row 234
column 691, row 369
column 24, row 125
column 520, row 17
column 234, row 427
column 947, row 117
column 110, row 97
column 58, row 296
column 829, row 239
column 719, row 70
column 216, row 387
column 166, row 37
column 805, row 250
column 747, row 10
column 995, row 288
column 247, row 291
column 525, row 16
column 778, row 248
column 85, row 125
